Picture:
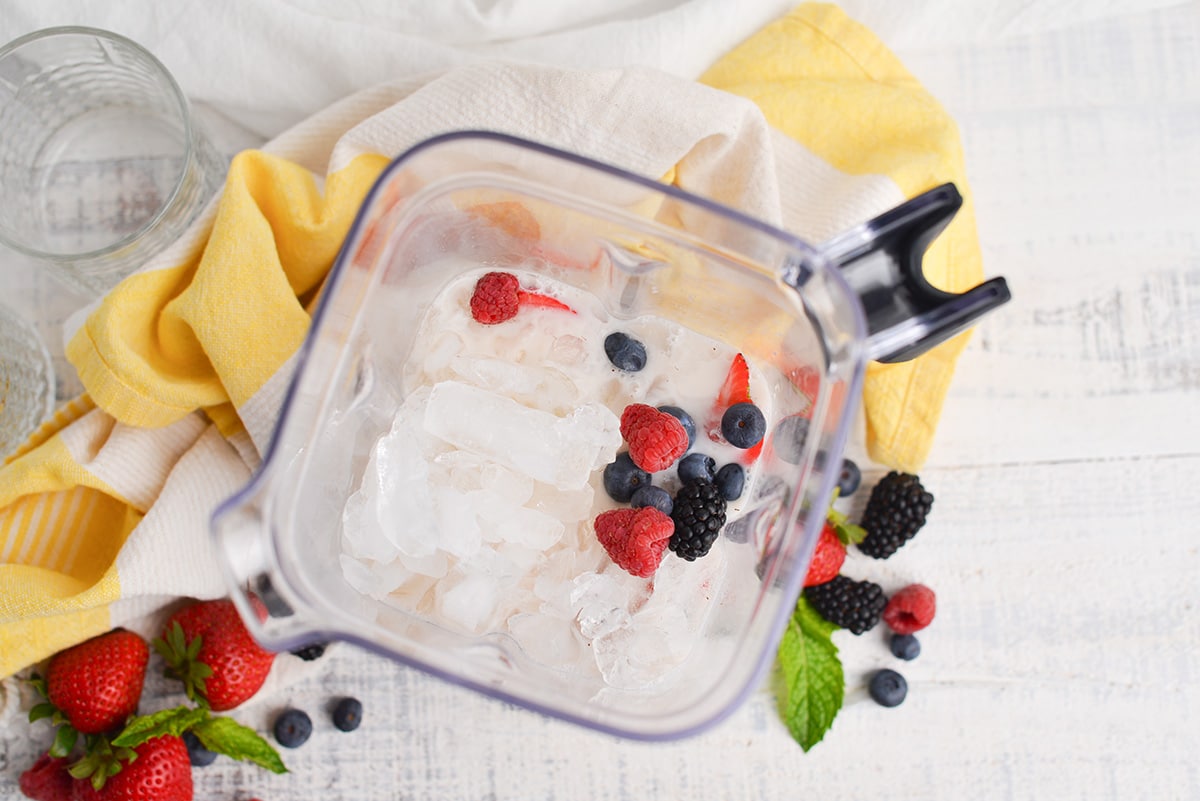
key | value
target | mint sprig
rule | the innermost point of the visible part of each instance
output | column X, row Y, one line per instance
column 811, row 683
column 219, row 734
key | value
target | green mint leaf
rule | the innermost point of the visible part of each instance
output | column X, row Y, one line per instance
column 811, row 682
column 169, row 721
column 227, row 736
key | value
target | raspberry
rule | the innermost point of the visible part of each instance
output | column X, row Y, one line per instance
column 496, row 298
column 911, row 609
column 47, row 779
column 827, row 558
column 656, row 439
column 635, row 538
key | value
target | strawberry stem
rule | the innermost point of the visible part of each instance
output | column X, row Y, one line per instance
column 180, row 656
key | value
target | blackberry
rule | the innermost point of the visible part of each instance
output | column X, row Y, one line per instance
column 699, row 514
column 853, row 605
column 311, row 651
column 895, row 512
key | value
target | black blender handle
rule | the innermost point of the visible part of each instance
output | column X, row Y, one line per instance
column 881, row 260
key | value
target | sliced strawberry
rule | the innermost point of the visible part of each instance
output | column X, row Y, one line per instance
column 544, row 301
column 736, row 388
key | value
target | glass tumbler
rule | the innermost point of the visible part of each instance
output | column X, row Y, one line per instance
column 101, row 163
column 26, row 381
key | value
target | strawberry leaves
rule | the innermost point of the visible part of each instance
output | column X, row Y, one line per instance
column 183, row 662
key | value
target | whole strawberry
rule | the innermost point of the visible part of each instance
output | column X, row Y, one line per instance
column 160, row 771
column 96, row 684
column 827, row 558
column 207, row 647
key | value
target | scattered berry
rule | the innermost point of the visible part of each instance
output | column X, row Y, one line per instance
column 735, row 390
column 743, row 425
column 311, row 652
column 97, row 684
column 730, row 480
column 498, row 296
column 160, row 771
column 689, row 425
column 827, row 558
column 888, row 688
column 656, row 439
column 789, row 438
column 622, row 478
column 625, row 352
column 227, row 667
column 293, row 728
column 895, row 512
column 347, row 715
column 849, row 478
column 198, row 755
column 635, row 538
column 699, row 514
column 697, row 467
column 47, row 779
column 853, row 605
column 656, row 497
column 911, row 609
column 905, row 646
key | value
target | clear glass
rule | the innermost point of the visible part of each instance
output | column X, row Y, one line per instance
column 26, row 381
column 641, row 248
column 101, row 162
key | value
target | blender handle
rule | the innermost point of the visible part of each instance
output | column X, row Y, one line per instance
column 881, row 260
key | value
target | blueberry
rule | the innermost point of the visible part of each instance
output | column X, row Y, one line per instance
column 689, row 425
column 790, row 436
column 293, row 728
column 347, row 715
column 905, row 646
column 198, row 755
column 849, row 479
column 888, row 688
column 697, row 465
column 622, row 478
column 657, row 497
column 730, row 480
column 743, row 425
column 625, row 352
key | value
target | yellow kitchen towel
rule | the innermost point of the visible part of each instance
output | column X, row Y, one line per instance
column 104, row 514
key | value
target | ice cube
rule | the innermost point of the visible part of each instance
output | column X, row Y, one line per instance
column 362, row 535
column 567, row 350
column 559, row 451
column 516, row 487
column 600, row 604
column 457, row 528
column 468, row 601
column 434, row 565
column 569, row 506
column 530, row 528
column 438, row 358
column 540, row 387
column 640, row 654
column 546, row 640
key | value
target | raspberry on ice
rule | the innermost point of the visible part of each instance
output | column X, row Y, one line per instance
column 635, row 538
column 656, row 439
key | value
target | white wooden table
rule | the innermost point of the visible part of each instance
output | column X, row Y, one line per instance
column 1064, row 542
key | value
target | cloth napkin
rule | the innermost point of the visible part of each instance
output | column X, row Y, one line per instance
column 811, row 124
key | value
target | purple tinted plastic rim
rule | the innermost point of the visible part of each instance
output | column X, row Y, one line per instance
column 791, row 589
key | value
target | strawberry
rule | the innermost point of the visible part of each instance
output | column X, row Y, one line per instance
column 734, row 390
column 156, row 770
column 827, row 559
column 47, row 779
column 95, row 685
column 830, row 552
column 208, row 648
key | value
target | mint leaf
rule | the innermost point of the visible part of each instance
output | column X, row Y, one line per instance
column 227, row 736
column 811, row 683
column 169, row 721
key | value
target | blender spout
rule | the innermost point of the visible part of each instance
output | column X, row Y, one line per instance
column 881, row 260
